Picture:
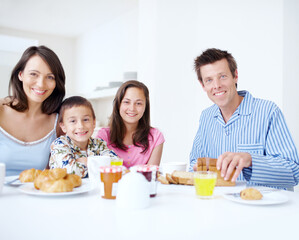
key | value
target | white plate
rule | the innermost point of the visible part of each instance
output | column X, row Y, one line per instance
column 31, row 190
column 268, row 199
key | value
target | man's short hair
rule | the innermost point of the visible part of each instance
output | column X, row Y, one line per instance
column 212, row 55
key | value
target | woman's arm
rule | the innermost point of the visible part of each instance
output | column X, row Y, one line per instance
column 156, row 155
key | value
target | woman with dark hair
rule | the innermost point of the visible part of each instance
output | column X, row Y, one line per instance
column 130, row 134
column 28, row 116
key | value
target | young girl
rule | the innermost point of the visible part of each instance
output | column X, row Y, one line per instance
column 29, row 115
column 130, row 134
column 77, row 121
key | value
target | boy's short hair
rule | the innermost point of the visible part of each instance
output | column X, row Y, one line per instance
column 75, row 101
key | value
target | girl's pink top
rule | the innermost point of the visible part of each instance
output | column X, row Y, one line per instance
column 133, row 155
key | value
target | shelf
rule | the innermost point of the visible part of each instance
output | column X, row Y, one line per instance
column 109, row 92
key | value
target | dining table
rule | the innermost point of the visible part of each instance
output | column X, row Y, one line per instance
column 174, row 213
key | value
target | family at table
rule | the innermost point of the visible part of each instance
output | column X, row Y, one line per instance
column 40, row 129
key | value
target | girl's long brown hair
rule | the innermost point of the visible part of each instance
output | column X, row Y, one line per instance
column 117, row 126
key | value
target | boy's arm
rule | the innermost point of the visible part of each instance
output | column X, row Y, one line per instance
column 63, row 157
column 103, row 150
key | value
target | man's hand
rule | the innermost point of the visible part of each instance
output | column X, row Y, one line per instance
column 229, row 161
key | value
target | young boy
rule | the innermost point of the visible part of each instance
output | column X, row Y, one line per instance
column 70, row 151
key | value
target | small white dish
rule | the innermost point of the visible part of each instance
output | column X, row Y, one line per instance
column 31, row 190
column 271, row 198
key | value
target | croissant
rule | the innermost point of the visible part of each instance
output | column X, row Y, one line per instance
column 42, row 177
column 55, row 186
column 29, row 175
column 75, row 179
column 57, row 173
column 51, row 180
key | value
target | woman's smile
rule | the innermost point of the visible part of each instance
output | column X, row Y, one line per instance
column 39, row 92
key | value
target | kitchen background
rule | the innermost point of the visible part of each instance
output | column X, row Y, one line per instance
column 103, row 41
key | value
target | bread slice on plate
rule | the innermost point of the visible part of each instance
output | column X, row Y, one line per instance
column 170, row 179
column 181, row 177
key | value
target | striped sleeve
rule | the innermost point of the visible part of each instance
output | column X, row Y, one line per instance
column 279, row 166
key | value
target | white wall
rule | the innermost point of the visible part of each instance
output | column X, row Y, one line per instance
column 104, row 53
column 62, row 46
column 291, row 67
column 179, row 31
column 11, row 48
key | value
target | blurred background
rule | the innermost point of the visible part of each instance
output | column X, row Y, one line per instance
column 103, row 42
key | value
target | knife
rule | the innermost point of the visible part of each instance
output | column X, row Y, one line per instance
column 12, row 181
column 237, row 194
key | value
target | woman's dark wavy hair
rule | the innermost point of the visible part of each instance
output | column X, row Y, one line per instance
column 117, row 126
column 52, row 103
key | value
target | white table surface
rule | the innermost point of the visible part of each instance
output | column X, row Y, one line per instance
column 175, row 213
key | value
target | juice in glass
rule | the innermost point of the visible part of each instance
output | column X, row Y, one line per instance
column 116, row 162
column 205, row 182
column 110, row 175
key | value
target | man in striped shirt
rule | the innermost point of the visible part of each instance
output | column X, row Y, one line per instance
column 244, row 133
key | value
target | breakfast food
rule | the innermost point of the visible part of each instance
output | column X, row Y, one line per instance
column 54, row 186
column 209, row 164
column 251, row 194
column 182, row 177
column 177, row 177
column 57, row 173
column 51, row 180
column 42, row 177
column 29, row 175
column 74, row 179
column 162, row 179
column 170, row 179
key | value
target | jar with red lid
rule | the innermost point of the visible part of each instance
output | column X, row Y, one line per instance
column 151, row 174
column 110, row 175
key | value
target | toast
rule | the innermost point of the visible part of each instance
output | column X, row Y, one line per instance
column 209, row 164
column 185, row 178
column 170, row 179
column 163, row 179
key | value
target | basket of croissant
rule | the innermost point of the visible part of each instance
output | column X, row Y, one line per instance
column 55, row 180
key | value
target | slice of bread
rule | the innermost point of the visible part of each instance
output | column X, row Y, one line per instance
column 162, row 179
column 170, row 179
column 181, row 177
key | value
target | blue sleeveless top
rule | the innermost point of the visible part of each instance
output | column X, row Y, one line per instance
column 18, row 155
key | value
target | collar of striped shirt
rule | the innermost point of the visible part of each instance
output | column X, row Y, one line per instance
column 245, row 108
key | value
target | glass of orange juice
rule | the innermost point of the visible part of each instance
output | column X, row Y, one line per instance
column 116, row 162
column 205, row 182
